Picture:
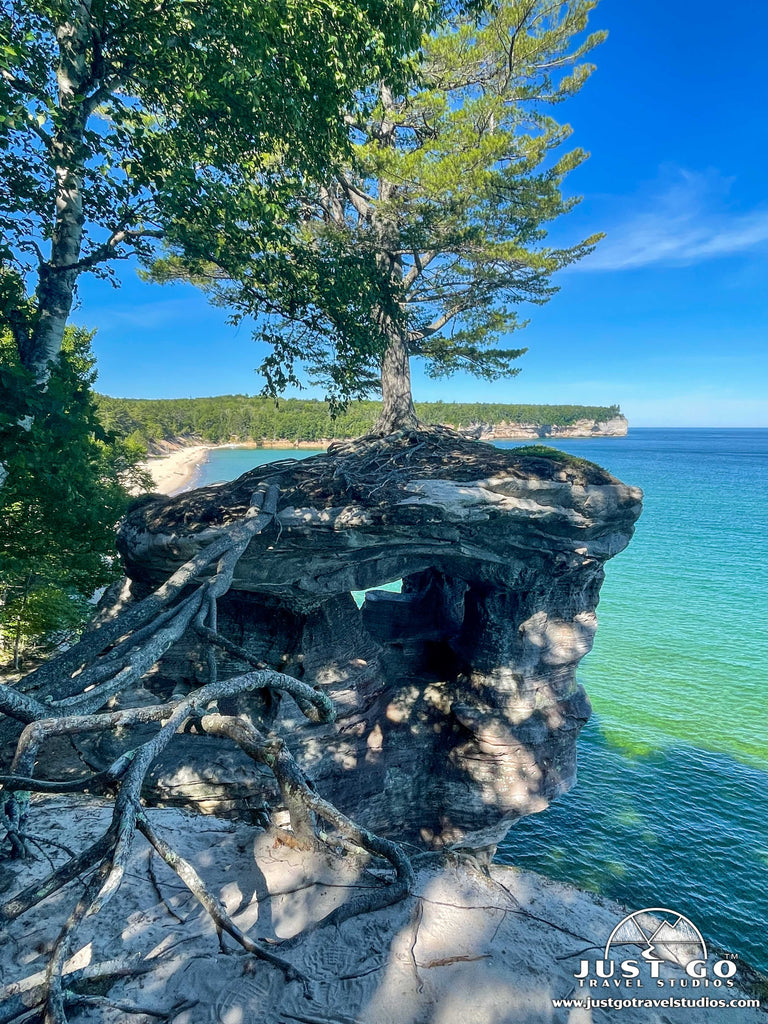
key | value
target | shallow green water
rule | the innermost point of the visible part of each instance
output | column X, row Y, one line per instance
column 671, row 808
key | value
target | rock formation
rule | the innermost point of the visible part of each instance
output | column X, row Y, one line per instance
column 616, row 426
column 458, row 705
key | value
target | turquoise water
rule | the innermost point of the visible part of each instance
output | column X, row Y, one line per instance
column 671, row 807
column 227, row 463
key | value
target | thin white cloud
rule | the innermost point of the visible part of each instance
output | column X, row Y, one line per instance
column 684, row 223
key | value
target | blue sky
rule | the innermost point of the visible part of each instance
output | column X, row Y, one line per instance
column 668, row 318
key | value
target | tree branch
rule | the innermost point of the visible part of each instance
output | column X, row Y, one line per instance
column 420, row 263
column 437, row 325
column 25, row 88
column 108, row 251
column 359, row 199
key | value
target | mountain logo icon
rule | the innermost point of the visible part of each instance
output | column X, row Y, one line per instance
column 661, row 933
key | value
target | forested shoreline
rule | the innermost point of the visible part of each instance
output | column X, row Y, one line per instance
column 242, row 418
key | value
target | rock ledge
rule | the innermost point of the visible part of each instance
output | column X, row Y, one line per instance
column 458, row 702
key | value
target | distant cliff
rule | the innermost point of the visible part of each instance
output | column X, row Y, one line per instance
column 616, row 426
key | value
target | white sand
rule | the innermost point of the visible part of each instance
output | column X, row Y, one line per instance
column 175, row 472
column 465, row 947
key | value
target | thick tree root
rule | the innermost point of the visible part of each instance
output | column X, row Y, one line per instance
column 70, row 697
column 210, row 904
column 302, row 801
column 28, row 996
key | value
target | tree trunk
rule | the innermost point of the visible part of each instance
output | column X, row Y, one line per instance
column 55, row 295
column 20, row 624
column 58, row 276
column 17, row 644
column 397, row 412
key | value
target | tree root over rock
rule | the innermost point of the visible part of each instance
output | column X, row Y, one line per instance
column 69, row 696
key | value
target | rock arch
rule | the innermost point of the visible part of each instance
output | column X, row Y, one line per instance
column 458, row 704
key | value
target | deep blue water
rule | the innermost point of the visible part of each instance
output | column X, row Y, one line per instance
column 671, row 806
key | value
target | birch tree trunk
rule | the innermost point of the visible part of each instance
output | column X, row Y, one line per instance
column 40, row 346
column 56, row 288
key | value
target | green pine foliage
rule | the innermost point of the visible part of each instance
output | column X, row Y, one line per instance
column 433, row 232
column 242, row 418
column 68, row 486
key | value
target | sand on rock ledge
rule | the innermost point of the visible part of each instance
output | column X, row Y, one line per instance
column 467, row 946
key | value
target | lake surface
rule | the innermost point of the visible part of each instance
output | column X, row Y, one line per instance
column 671, row 807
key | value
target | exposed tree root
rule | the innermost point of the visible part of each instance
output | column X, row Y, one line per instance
column 208, row 901
column 302, row 800
column 69, row 697
column 26, row 997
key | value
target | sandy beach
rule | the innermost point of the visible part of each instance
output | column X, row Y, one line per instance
column 174, row 472
column 466, row 946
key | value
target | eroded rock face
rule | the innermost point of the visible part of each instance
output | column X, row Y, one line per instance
column 458, row 702
column 616, row 426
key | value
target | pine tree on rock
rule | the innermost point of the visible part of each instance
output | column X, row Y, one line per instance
column 427, row 241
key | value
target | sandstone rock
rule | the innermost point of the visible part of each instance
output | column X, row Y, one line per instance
column 465, row 947
column 616, row 426
column 458, row 702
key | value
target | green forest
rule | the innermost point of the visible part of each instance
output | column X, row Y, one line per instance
column 243, row 418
